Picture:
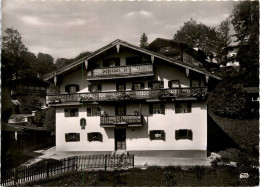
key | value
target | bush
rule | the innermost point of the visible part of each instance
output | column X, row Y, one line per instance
column 198, row 170
column 229, row 155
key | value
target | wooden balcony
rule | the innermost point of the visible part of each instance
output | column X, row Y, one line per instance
column 161, row 94
column 122, row 121
column 120, row 72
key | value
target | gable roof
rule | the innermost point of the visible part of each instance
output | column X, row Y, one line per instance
column 78, row 63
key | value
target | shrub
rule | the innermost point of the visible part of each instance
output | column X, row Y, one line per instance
column 198, row 170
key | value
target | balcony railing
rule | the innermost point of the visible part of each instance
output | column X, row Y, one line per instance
column 128, row 120
column 199, row 92
column 120, row 72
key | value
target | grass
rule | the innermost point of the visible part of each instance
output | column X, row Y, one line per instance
column 153, row 176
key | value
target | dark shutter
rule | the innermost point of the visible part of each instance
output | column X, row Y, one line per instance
column 98, row 109
column 116, row 110
column 66, row 137
column 77, row 88
column 163, row 135
column 161, row 84
column 189, row 134
column 152, row 137
column 162, row 108
column 67, row 88
column 177, row 108
column 77, row 136
column 117, row 86
column 66, row 112
column 142, row 85
column 150, row 85
column 99, row 87
column 89, row 88
column 76, row 112
column 100, row 137
column 170, row 84
column 90, row 137
column 177, row 135
column 88, row 111
column 117, row 61
column 133, row 86
column 189, row 107
column 150, row 108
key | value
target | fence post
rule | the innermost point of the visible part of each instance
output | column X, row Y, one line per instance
column 133, row 161
column 15, row 176
column 47, row 170
column 105, row 162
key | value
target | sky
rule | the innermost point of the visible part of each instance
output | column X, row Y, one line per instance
column 63, row 28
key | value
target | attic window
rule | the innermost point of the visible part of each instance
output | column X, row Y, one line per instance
column 72, row 88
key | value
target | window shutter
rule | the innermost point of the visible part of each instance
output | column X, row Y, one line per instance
column 150, row 85
column 142, row 85
column 90, row 137
column 99, row 87
column 177, row 108
column 67, row 88
column 152, row 137
column 77, row 136
column 189, row 134
column 162, row 108
column 98, row 109
column 161, row 84
column 150, row 108
column 163, row 135
column 88, row 111
column 89, row 88
column 66, row 112
column 66, row 137
column 77, row 88
column 177, row 135
column 76, row 112
column 170, row 84
column 100, row 137
column 189, row 107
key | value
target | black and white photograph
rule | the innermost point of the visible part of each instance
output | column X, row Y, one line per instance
column 129, row 93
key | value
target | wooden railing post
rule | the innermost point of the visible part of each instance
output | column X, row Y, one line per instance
column 15, row 176
column 47, row 170
column 133, row 161
column 105, row 162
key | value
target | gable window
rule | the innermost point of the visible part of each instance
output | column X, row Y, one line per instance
column 133, row 60
column 71, row 112
column 120, row 86
column 174, row 84
column 94, row 87
column 138, row 86
column 72, row 88
column 182, row 107
column 93, row 111
column 111, row 62
column 83, row 123
column 183, row 134
column 157, row 135
column 157, row 108
column 155, row 85
column 72, row 137
column 95, row 136
column 195, row 83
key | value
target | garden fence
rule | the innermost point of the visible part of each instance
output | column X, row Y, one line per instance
column 76, row 163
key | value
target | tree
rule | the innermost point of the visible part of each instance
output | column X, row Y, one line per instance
column 143, row 41
column 245, row 20
column 12, row 52
column 29, row 104
column 44, row 64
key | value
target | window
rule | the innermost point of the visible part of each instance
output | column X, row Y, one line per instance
column 95, row 136
column 174, row 84
column 120, row 86
column 72, row 112
column 83, row 123
column 195, row 83
column 183, row 134
column 133, row 60
column 94, row 87
column 111, row 62
column 157, row 108
column 72, row 88
column 182, row 107
column 72, row 137
column 120, row 110
column 157, row 135
column 138, row 86
column 155, row 85
column 93, row 111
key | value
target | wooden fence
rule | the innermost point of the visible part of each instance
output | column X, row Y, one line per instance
column 76, row 163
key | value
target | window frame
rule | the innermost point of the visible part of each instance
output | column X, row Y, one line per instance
column 171, row 81
column 91, row 111
column 141, row 85
column 189, row 134
column 120, row 84
column 107, row 60
column 77, row 137
column 68, row 86
column 162, row 108
column 178, row 109
column 90, row 88
column 67, row 112
column 99, row 137
column 151, row 85
column 153, row 133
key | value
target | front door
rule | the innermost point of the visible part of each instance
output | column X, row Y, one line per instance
column 120, row 136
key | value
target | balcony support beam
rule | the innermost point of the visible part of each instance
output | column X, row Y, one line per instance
column 207, row 78
column 117, row 48
column 187, row 72
column 86, row 64
column 152, row 59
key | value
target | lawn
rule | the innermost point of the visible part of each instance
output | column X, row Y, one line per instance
column 154, row 176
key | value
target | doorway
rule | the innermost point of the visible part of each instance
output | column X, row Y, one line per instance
column 120, row 139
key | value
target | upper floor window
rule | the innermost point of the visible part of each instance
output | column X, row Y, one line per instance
column 133, row 60
column 182, row 107
column 157, row 108
column 93, row 111
column 72, row 137
column 94, row 87
column 138, row 86
column 195, row 83
column 155, row 85
column 95, row 136
column 71, row 112
column 174, row 84
column 72, row 88
column 111, row 62
column 157, row 135
column 183, row 134
column 120, row 86
column 120, row 110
